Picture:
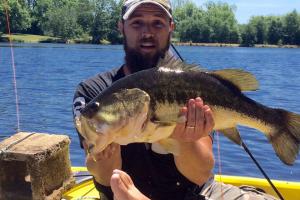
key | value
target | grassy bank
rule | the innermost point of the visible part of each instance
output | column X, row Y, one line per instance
column 27, row 38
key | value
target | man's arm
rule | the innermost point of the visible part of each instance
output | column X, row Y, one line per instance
column 101, row 165
column 195, row 160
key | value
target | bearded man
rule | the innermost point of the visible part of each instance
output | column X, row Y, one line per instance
column 139, row 171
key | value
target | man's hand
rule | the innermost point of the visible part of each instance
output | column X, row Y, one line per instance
column 102, row 164
column 195, row 160
column 198, row 122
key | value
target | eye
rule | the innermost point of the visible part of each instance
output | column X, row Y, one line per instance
column 136, row 23
column 158, row 24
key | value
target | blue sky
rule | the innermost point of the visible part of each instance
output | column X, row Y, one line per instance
column 248, row 8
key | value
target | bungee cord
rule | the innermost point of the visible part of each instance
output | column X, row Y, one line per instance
column 13, row 66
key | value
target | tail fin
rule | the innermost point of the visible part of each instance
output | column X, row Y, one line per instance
column 286, row 141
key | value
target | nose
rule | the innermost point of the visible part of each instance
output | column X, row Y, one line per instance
column 147, row 32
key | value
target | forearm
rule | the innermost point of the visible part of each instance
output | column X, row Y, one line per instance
column 195, row 160
column 105, row 169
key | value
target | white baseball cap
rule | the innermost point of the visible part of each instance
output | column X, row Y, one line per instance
column 130, row 5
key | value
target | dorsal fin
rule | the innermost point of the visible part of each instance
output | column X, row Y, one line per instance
column 245, row 81
column 177, row 64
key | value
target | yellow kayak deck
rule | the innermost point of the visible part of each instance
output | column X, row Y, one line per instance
column 289, row 190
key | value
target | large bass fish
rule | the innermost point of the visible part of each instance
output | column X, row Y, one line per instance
column 144, row 106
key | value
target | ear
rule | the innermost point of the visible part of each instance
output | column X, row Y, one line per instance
column 172, row 26
column 121, row 27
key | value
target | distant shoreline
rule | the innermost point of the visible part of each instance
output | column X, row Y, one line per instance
column 233, row 45
column 27, row 38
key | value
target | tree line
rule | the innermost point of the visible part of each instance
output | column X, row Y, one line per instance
column 96, row 21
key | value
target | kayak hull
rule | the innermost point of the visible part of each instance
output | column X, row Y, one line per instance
column 84, row 189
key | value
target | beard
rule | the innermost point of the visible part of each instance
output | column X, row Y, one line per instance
column 137, row 61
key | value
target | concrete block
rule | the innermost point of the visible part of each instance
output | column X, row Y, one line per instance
column 35, row 166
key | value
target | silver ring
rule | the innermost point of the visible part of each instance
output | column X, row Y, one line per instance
column 190, row 126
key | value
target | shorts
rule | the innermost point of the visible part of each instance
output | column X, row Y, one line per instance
column 213, row 190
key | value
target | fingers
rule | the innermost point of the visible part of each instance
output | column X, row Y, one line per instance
column 199, row 113
column 209, row 120
column 106, row 153
column 124, row 176
column 191, row 117
column 199, row 121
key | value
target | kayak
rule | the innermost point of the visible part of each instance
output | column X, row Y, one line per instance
column 85, row 189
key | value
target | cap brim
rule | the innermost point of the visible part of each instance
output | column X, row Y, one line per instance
column 133, row 7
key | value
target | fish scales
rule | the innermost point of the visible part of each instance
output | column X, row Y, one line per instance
column 143, row 107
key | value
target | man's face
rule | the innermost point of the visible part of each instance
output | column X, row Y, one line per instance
column 147, row 35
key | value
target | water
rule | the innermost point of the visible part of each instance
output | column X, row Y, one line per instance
column 47, row 75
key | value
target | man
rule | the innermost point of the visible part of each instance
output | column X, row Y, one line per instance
column 141, row 171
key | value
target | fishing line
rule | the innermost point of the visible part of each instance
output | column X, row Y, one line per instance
column 6, row 148
column 13, row 66
column 219, row 163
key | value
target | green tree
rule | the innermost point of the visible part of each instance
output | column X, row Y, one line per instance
column 188, row 25
column 291, row 28
column 221, row 19
column 260, row 26
column 114, row 35
column 248, row 34
column 62, row 20
column 107, row 14
column 39, row 9
column 275, row 30
column 18, row 16
column 85, row 10
column 100, row 26
column 179, row 3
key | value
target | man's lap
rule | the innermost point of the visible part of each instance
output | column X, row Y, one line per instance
column 214, row 190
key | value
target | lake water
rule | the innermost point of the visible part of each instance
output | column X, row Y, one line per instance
column 47, row 75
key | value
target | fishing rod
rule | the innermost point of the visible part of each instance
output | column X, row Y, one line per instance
column 177, row 53
column 246, row 149
column 261, row 170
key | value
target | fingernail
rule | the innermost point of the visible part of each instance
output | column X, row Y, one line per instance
column 191, row 101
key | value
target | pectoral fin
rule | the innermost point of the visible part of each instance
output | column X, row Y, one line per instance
column 233, row 134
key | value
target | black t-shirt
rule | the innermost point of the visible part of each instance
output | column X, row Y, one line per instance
column 154, row 174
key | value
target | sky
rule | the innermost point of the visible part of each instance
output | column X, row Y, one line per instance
column 248, row 8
